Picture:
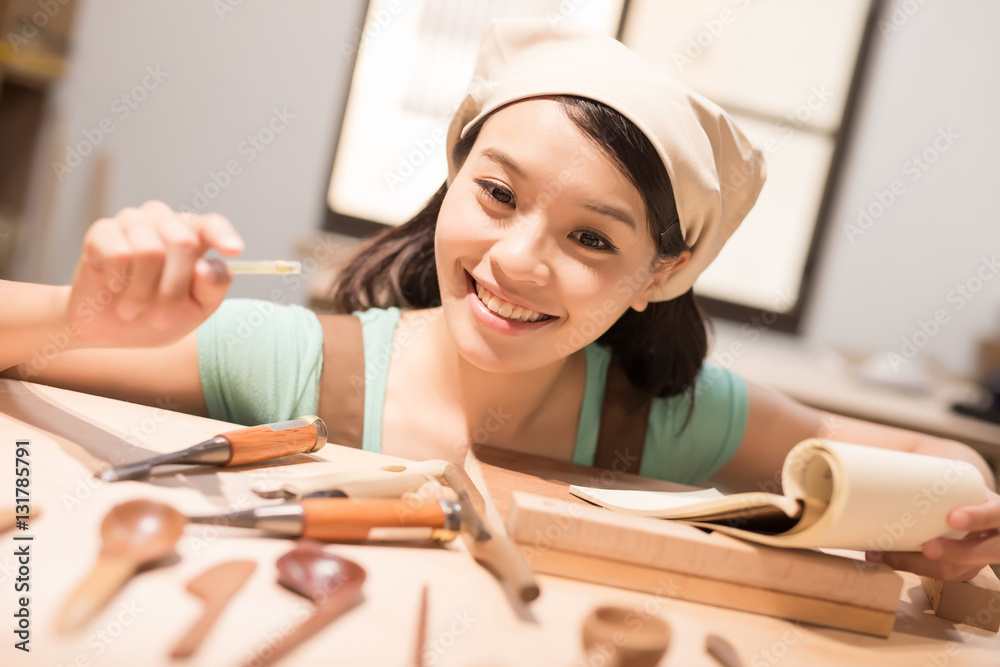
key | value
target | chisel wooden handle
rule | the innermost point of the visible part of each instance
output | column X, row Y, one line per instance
column 270, row 441
column 349, row 519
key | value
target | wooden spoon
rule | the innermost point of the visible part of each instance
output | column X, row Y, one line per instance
column 216, row 586
column 607, row 634
column 332, row 582
column 134, row 534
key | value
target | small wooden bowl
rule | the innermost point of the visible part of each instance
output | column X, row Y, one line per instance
column 625, row 638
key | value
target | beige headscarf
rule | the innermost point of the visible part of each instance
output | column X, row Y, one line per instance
column 715, row 171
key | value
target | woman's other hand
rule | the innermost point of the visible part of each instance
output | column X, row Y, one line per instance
column 955, row 560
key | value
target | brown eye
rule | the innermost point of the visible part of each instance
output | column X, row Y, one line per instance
column 592, row 240
column 501, row 195
column 496, row 192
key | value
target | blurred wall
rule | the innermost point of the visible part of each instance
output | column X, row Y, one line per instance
column 915, row 271
column 257, row 87
column 916, row 268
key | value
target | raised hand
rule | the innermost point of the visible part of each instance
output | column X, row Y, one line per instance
column 142, row 279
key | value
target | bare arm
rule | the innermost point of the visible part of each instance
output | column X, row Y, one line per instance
column 776, row 423
column 165, row 377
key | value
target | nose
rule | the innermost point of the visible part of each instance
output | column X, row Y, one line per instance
column 523, row 252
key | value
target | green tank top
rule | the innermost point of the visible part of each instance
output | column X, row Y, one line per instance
column 261, row 362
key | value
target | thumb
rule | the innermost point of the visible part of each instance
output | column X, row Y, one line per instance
column 210, row 283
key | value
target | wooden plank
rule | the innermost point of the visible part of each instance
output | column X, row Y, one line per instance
column 666, row 583
column 542, row 524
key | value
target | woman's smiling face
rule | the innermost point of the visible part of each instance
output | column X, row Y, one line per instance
column 541, row 242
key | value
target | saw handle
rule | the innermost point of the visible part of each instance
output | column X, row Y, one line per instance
column 271, row 441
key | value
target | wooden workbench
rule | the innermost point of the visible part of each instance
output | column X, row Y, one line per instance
column 471, row 621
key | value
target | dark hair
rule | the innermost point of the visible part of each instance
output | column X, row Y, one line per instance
column 661, row 349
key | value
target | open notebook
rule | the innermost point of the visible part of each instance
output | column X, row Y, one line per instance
column 837, row 495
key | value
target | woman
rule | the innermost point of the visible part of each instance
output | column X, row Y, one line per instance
column 586, row 192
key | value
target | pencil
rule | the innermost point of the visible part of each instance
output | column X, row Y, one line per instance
column 265, row 266
column 418, row 650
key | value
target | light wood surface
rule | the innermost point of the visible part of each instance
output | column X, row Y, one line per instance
column 471, row 621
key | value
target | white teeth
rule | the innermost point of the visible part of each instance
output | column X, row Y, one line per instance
column 504, row 308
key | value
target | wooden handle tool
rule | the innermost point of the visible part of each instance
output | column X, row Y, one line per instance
column 233, row 448
column 490, row 544
column 349, row 519
column 216, row 586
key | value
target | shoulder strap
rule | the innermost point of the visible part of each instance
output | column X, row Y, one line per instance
column 624, row 418
column 342, row 381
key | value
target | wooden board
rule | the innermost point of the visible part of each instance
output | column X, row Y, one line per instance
column 666, row 583
column 716, row 569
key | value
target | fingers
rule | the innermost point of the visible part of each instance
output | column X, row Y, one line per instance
column 984, row 516
column 146, row 265
column 211, row 282
column 918, row 563
column 182, row 247
column 975, row 548
column 150, row 259
column 217, row 232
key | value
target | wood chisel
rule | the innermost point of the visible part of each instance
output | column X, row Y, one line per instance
column 232, row 448
column 349, row 519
